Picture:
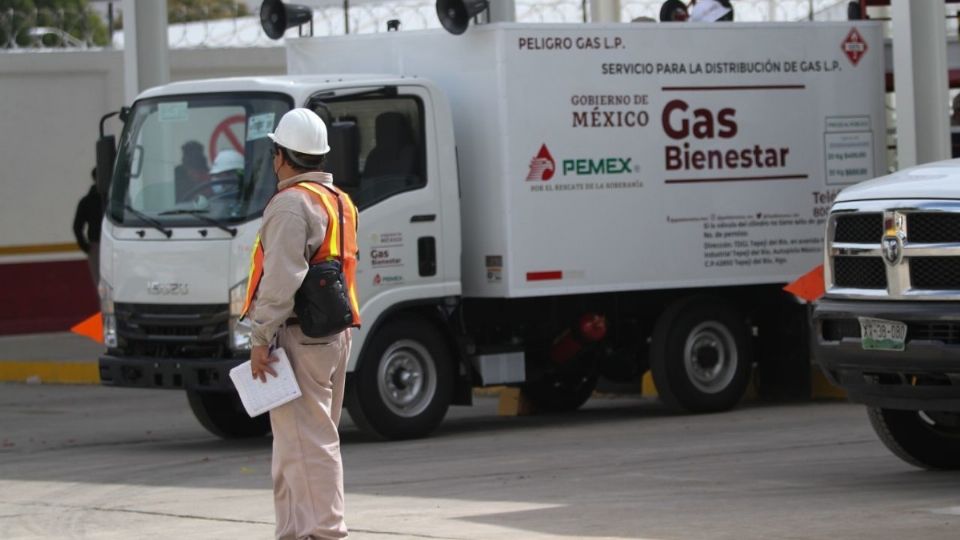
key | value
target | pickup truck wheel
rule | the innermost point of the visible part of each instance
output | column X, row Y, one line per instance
column 222, row 414
column 403, row 384
column 926, row 439
column 560, row 393
column 700, row 356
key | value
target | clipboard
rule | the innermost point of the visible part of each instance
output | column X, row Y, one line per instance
column 259, row 397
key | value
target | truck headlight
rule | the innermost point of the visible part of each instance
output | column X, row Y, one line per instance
column 109, row 317
column 240, row 331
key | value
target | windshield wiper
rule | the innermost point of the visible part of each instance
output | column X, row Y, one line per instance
column 153, row 223
column 198, row 213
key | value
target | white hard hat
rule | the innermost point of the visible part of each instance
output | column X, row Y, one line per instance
column 301, row 130
column 227, row 160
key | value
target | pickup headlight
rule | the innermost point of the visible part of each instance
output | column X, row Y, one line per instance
column 240, row 331
column 109, row 317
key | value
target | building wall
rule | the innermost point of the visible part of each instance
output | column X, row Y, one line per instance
column 50, row 107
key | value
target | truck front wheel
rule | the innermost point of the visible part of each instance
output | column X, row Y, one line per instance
column 403, row 383
column 926, row 439
column 222, row 414
column 700, row 356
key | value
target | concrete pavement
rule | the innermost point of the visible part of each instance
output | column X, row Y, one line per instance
column 103, row 463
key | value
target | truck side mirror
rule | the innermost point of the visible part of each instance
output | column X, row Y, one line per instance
column 106, row 155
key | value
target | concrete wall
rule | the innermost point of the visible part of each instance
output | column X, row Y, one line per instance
column 50, row 106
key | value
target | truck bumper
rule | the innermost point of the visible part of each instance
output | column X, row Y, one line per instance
column 924, row 376
column 179, row 373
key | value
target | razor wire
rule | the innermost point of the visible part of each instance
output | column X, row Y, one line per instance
column 198, row 28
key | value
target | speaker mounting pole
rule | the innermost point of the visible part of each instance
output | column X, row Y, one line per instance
column 502, row 11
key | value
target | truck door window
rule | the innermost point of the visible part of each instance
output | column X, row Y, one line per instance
column 376, row 146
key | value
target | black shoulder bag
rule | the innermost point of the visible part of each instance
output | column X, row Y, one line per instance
column 322, row 303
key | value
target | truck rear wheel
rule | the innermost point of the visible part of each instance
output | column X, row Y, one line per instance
column 222, row 414
column 700, row 356
column 403, row 384
column 925, row 439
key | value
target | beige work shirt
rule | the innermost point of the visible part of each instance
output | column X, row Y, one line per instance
column 293, row 230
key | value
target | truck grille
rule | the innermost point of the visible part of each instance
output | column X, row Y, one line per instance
column 935, row 272
column 934, row 228
column 881, row 250
column 173, row 330
column 860, row 272
column 859, row 228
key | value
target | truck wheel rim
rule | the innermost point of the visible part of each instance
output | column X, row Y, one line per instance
column 942, row 423
column 407, row 378
column 710, row 357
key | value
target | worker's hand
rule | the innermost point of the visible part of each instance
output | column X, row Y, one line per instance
column 260, row 361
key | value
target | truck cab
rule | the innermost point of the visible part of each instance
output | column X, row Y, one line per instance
column 180, row 225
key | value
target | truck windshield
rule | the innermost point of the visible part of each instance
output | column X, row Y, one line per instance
column 184, row 156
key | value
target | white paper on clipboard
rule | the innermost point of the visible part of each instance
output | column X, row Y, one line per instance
column 259, row 397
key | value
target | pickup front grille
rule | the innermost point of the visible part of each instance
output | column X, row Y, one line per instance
column 859, row 272
column 859, row 228
column 935, row 273
column 880, row 250
column 945, row 332
column 932, row 228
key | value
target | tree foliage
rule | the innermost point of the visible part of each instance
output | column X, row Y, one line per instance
column 180, row 11
column 75, row 20
column 71, row 21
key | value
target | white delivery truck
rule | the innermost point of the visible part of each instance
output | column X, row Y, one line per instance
column 540, row 205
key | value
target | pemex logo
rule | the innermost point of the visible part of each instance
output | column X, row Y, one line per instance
column 542, row 166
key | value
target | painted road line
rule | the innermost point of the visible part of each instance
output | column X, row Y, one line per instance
column 50, row 372
column 39, row 248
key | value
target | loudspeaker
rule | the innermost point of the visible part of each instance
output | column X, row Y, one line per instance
column 455, row 15
column 276, row 17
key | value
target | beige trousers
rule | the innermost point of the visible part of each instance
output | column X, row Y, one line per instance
column 307, row 471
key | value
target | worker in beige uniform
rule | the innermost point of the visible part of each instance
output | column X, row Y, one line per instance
column 308, row 220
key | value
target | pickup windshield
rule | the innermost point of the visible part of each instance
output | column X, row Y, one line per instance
column 182, row 156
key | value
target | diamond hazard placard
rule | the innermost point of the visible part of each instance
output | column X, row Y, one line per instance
column 854, row 46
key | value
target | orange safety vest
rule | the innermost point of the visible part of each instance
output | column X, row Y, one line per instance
column 329, row 250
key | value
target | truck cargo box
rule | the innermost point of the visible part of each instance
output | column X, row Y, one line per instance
column 601, row 158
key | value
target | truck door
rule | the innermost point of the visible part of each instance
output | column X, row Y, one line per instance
column 380, row 156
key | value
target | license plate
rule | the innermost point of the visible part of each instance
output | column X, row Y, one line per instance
column 882, row 335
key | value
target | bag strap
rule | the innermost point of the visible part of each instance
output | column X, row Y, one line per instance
column 339, row 214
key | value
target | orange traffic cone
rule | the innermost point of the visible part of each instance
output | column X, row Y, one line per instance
column 91, row 327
